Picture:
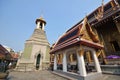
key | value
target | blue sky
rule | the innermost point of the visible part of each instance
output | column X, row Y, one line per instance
column 17, row 18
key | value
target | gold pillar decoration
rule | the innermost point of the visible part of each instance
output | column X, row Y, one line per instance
column 58, row 58
column 88, row 57
column 61, row 57
column 101, row 53
column 104, row 56
column 98, row 53
column 81, row 53
column 71, row 58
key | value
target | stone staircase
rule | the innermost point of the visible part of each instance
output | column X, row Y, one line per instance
column 25, row 67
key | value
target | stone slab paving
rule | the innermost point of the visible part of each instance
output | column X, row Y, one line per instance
column 37, row 75
column 72, row 76
column 48, row 75
column 111, row 77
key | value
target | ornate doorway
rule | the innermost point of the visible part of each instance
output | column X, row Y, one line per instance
column 38, row 62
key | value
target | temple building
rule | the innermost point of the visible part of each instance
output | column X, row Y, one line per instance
column 105, row 21
column 36, row 51
column 4, row 54
column 5, row 59
column 73, row 48
column 88, row 43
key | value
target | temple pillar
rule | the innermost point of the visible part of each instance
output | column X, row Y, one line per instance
column 97, row 65
column 38, row 24
column 64, row 63
column 55, row 62
column 81, row 63
column 43, row 26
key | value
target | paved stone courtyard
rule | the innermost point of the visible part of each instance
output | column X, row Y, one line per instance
column 48, row 75
column 110, row 77
column 38, row 75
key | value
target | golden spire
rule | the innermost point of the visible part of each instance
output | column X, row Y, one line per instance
column 100, row 12
column 102, row 5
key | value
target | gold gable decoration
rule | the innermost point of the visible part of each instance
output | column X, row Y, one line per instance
column 84, row 32
column 93, row 36
column 87, row 32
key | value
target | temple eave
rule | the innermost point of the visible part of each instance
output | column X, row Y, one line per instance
column 91, row 44
column 106, row 16
column 77, row 41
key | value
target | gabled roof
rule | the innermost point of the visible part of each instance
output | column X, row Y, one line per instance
column 109, row 11
column 76, row 36
column 3, row 51
column 82, row 34
column 4, row 54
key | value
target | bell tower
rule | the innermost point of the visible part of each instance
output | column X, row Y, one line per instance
column 40, row 23
column 36, row 52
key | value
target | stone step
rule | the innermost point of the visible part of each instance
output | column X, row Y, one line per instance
column 25, row 67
